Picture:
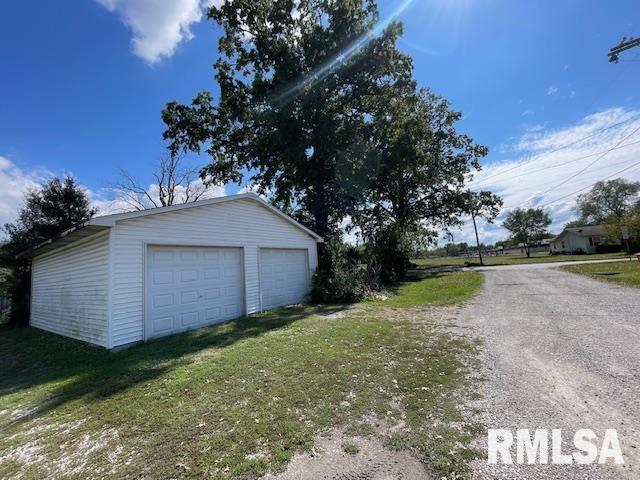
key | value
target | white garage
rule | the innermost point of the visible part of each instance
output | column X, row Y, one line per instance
column 125, row 278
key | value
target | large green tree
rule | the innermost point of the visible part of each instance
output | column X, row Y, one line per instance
column 57, row 206
column 420, row 165
column 611, row 198
column 300, row 81
column 527, row 225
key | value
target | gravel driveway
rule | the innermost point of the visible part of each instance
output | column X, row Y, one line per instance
column 560, row 351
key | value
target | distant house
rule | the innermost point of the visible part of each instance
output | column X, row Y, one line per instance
column 580, row 239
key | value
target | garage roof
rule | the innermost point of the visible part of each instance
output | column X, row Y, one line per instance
column 105, row 222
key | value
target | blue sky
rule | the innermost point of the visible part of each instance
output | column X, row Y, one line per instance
column 83, row 83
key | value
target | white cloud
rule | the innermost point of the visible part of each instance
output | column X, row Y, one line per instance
column 14, row 182
column 552, row 90
column 158, row 26
column 350, row 233
column 546, row 158
column 253, row 188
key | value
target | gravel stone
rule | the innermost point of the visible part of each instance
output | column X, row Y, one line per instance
column 559, row 351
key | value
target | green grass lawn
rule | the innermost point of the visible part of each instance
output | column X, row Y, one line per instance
column 623, row 273
column 513, row 259
column 239, row 399
column 435, row 289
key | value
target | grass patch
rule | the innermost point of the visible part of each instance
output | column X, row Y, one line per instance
column 513, row 259
column 237, row 400
column 350, row 448
column 621, row 273
column 445, row 288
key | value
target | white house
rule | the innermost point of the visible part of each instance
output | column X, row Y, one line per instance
column 130, row 277
column 579, row 239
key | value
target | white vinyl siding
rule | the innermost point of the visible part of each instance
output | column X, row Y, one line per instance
column 574, row 243
column 242, row 223
column 70, row 290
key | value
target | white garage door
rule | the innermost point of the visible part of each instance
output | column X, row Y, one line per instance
column 189, row 287
column 284, row 277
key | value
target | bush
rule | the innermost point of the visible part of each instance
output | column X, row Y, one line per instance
column 340, row 277
column 391, row 251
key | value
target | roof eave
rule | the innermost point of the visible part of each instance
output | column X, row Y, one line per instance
column 67, row 237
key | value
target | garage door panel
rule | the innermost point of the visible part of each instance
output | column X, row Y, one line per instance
column 163, row 300
column 162, row 277
column 284, row 277
column 163, row 324
column 190, row 319
column 212, row 274
column 187, row 298
column 160, row 256
column 190, row 287
column 189, row 276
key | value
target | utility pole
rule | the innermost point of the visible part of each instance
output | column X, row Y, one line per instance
column 625, row 44
column 473, row 217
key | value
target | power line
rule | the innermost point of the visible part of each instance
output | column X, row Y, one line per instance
column 592, row 163
column 597, row 171
column 560, row 165
column 557, row 149
column 637, row 164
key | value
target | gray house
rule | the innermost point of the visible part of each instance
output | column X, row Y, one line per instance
column 579, row 239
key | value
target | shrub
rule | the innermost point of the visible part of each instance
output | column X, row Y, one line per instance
column 340, row 274
column 391, row 252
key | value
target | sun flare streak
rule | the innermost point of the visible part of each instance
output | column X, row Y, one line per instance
column 344, row 56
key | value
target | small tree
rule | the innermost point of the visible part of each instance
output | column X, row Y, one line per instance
column 629, row 221
column 606, row 199
column 420, row 165
column 174, row 183
column 484, row 205
column 526, row 225
column 58, row 206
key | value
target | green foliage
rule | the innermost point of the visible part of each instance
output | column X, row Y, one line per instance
column 420, row 166
column 527, row 225
column 340, row 276
column 286, row 113
column 391, row 250
column 56, row 207
column 629, row 221
column 611, row 198
column 331, row 134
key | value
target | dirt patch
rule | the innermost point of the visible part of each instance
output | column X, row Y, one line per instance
column 65, row 458
column 368, row 459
